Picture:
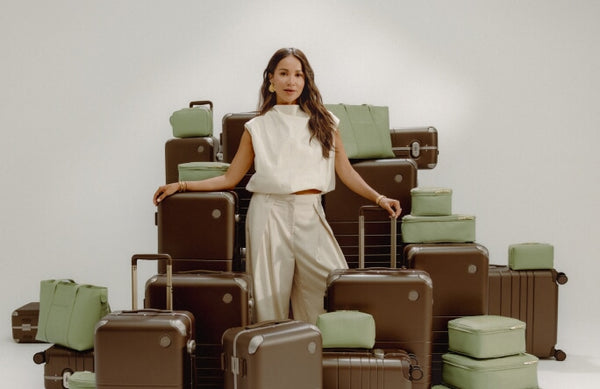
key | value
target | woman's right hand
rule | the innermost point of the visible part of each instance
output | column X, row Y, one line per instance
column 165, row 191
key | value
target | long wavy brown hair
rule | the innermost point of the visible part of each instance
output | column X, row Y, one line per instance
column 320, row 124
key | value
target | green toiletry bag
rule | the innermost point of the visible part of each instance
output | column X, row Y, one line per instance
column 530, row 256
column 347, row 329
column 430, row 201
column 197, row 120
column 196, row 171
column 438, row 229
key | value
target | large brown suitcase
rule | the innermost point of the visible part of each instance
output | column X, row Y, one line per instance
column 183, row 150
column 218, row 300
column 369, row 369
column 24, row 323
column 459, row 273
column 200, row 230
column 60, row 362
column 418, row 143
column 391, row 177
column 530, row 296
column 400, row 301
column 145, row 348
column 273, row 355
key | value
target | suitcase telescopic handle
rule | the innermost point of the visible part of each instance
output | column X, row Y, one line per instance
column 361, row 235
column 202, row 102
column 152, row 257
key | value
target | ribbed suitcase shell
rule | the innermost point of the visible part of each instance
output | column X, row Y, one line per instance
column 459, row 272
column 60, row 362
column 370, row 369
column 218, row 300
column 199, row 230
column 418, row 143
column 182, row 150
column 273, row 355
column 24, row 323
column 530, row 296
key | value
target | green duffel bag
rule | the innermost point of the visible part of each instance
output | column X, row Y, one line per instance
column 197, row 120
column 347, row 329
column 82, row 380
column 365, row 130
column 196, row 171
column 531, row 256
column 438, row 229
column 514, row 372
column 431, row 201
column 486, row 336
column 69, row 312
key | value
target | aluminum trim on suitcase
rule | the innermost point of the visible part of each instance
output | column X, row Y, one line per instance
column 24, row 322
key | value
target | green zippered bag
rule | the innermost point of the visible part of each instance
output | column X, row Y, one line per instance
column 432, row 201
column 347, row 329
column 438, row 229
column 530, row 256
column 197, row 120
column 82, row 380
column 196, row 171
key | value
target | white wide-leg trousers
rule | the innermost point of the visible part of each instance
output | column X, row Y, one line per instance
column 290, row 250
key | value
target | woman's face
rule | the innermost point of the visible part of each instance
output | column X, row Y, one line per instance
column 288, row 80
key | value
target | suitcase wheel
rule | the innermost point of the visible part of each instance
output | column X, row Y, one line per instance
column 560, row 355
column 562, row 278
column 39, row 358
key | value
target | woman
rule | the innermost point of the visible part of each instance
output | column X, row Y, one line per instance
column 296, row 150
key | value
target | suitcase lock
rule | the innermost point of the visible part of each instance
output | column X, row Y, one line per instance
column 415, row 149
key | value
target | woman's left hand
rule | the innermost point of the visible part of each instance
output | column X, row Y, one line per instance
column 392, row 206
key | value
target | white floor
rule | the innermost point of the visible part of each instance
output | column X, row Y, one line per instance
column 17, row 369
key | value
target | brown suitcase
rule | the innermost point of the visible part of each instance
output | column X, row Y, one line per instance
column 60, row 362
column 273, row 355
column 200, row 231
column 391, row 177
column 459, row 273
column 145, row 348
column 530, row 296
column 183, row 150
column 400, row 301
column 24, row 323
column 418, row 143
column 370, row 369
column 226, row 301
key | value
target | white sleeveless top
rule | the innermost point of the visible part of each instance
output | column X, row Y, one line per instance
column 285, row 159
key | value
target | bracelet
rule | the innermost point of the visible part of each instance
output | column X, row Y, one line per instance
column 379, row 198
column 182, row 186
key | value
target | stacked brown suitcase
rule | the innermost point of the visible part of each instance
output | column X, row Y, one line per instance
column 60, row 362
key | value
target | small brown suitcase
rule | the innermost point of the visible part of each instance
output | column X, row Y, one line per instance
column 145, row 348
column 418, row 143
column 60, row 362
column 231, row 133
column 24, row 323
column 200, row 231
column 273, row 355
column 530, row 296
column 371, row 369
column 183, row 150
column 459, row 273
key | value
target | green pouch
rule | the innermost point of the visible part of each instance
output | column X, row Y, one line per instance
column 365, row 130
column 69, row 312
column 82, row 380
column 486, row 336
column 438, row 229
column 530, row 256
column 431, row 201
column 347, row 329
column 196, row 120
column 514, row 372
column 196, row 171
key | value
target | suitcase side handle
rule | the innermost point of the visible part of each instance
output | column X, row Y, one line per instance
column 202, row 102
column 152, row 257
column 361, row 235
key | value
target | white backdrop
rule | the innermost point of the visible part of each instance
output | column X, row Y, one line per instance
column 87, row 89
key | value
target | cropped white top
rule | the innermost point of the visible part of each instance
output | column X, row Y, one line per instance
column 286, row 160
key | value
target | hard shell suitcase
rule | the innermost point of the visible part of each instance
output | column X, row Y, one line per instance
column 459, row 272
column 400, row 301
column 199, row 230
column 60, row 362
column 370, row 369
column 392, row 177
column 24, row 323
column 530, row 296
column 145, row 348
column 273, row 355
column 418, row 143
column 183, row 150
column 218, row 300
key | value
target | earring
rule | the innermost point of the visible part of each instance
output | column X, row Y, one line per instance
column 271, row 88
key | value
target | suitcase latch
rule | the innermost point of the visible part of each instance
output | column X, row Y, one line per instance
column 415, row 149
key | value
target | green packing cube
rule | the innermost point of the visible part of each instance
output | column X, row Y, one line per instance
column 82, row 380
column 486, row 336
column 197, row 120
column 438, row 229
column 530, row 256
column 431, row 201
column 347, row 329
column 514, row 372
column 196, row 171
